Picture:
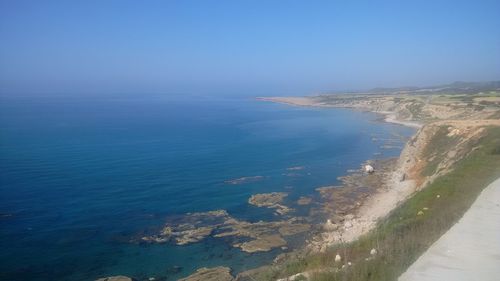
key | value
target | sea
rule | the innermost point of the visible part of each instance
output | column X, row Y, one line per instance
column 82, row 176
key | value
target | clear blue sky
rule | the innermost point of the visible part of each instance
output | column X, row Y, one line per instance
column 246, row 47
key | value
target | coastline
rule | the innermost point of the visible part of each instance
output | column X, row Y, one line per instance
column 446, row 135
column 389, row 116
column 369, row 198
column 393, row 188
column 393, row 183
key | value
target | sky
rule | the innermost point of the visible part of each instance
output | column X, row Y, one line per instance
column 243, row 47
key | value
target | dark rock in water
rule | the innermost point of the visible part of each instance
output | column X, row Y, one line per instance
column 219, row 273
column 5, row 215
column 174, row 269
column 243, row 180
column 270, row 200
column 194, row 227
column 262, row 244
column 304, row 200
column 116, row 278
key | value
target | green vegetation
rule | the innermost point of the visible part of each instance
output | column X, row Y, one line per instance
column 437, row 149
column 411, row 228
column 416, row 108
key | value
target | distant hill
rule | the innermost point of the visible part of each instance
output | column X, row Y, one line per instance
column 458, row 87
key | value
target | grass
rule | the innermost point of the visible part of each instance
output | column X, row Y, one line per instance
column 437, row 149
column 403, row 236
column 416, row 108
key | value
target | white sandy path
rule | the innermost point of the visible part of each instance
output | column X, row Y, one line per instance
column 470, row 250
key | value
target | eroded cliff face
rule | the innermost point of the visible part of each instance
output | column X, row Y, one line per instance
column 432, row 152
column 438, row 146
column 417, row 108
column 451, row 128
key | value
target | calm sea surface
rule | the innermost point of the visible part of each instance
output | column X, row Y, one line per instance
column 80, row 177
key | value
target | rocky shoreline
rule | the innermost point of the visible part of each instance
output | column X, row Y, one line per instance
column 339, row 205
column 354, row 215
column 364, row 199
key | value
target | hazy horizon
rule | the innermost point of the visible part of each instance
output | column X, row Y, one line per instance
column 243, row 48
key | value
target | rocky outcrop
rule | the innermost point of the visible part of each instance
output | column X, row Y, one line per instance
column 244, row 180
column 304, row 200
column 219, row 273
column 267, row 199
column 116, row 278
column 271, row 200
column 369, row 169
column 262, row 244
column 194, row 227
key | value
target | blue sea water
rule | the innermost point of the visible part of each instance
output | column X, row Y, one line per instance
column 81, row 176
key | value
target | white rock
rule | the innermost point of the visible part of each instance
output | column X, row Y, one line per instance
column 338, row 258
column 369, row 169
column 329, row 226
column 373, row 252
column 298, row 276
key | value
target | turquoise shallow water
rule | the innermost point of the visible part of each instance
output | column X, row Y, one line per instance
column 82, row 176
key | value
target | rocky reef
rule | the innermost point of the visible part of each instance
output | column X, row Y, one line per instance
column 271, row 200
column 193, row 227
column 243, row 180
column 219, row 273
column 295, row 168
column 250, row 237
column 304, row 200
column 116, row 278
column 267, row 199
column 262, row 243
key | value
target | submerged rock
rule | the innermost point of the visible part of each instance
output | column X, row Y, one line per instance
column 174, row 269
column 267, row 199
column 271, row 200
column 194, row 235
column 304, row 200
column 194, row 227
column 292, row 229
column 295, row 168
column 116, row 278
column 262, row 244
column 219, row 273
column 243, row 180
